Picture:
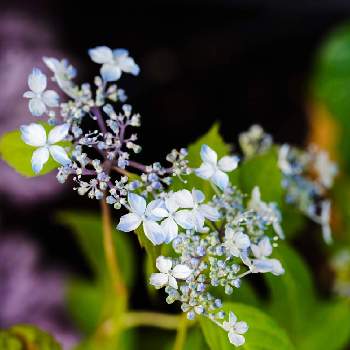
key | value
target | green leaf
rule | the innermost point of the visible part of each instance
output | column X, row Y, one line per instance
column 292, row 294
column 214, row 140
column 329, row 327
column 263, row 332
column 18, row 154
column 27, row 337
column 87, row 228
column 152, row 250
column 262, row 171
column 85, row 301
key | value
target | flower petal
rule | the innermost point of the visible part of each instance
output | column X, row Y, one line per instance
column 29, row 94
column 51, row 98
column 33, row 134
column 265, row 247
column 39, row 158
column 153, row 232
column 163, row 264
column 101, row 54
column 157, row 203
column 58, row 133
column 209, row 212
column 184, row 218
column 170, row 229
column 160, row 212
column 37, row 81
column 110, row 72
column 228, row 163
column 172, row 282
column 241, row 327
column 220, row 179
column 171, row 203
column 37, row 107
column 127, row 64
column 181, row 271
column 232, row 318
column 184, row 199
column 205, row 171
column 129, row 222
column 137, row 203
column 59, row 155
column 236, row 339
column 198, row 196
column 159, row 280
column 208, row 155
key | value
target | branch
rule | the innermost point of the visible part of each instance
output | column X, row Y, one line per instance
column 181, row 333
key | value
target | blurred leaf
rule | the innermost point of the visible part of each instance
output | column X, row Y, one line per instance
column 263, row 332
column 328, row 328
column 87, row 228
column 85, row 302
column 292, row 294
column 293, row 221
column 214, row 140
column 27, row 337
column 194, row 341
column 18, row 154
column 262, row 171
column 152, row 250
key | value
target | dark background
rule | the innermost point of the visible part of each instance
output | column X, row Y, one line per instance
column 239, row 62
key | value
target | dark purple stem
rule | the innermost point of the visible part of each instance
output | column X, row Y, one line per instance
column 99, row 118
column 137, row 165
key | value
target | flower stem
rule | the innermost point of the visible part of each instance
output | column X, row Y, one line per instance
column 151, row 319
column 181, row 333
column 110, row 253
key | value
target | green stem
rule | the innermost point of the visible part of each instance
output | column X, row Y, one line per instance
column 151, row 319
column 181, row 333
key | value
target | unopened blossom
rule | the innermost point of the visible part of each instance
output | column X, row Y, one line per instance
column 215, row 170
column 261, row 263
column 39, row 99
column 140, row 213
column 167, row 275
column 114, row 62
column 35, row 135
column 235, row 330
column 195, row 215
column 235, row 242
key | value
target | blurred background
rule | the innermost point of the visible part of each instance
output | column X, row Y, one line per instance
column 239, row 62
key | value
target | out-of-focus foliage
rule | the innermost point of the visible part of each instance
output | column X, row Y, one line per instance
column 27, row 337
column 263, row 333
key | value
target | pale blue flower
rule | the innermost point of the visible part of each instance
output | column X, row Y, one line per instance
column 167, row 276
column 214, row 170
column 114, row 62
column 235, row 330
column 140, row 213
column 39, row 99
column 35, row 135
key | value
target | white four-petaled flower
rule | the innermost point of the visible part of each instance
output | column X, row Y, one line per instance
column 114, row 62
column 39, row 99
column 213, row 169
column 35, row 135
column 194, row 216
column 235, row 242
column 142, row 213
column 235, row 330
column 167, row 276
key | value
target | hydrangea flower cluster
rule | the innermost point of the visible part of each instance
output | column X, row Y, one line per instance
column 215, row 241
column 307, row 175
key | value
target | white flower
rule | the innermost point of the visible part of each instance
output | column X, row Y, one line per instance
column 268, row 212
column 325, row 168
column 140, row 213
column 114, row 62
column 63, row 75
column 324, row 220
column 235, row 330
column 283, row 161
column 172, row 218
column 35, row 135
column 262, row 263
column 235, row 242
column 39, row 99
column 168, row 276
column 194, row 218
column 215, row 170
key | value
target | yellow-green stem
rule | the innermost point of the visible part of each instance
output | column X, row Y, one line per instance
column 181, row 333
column 110, row 253
column 151, row 319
